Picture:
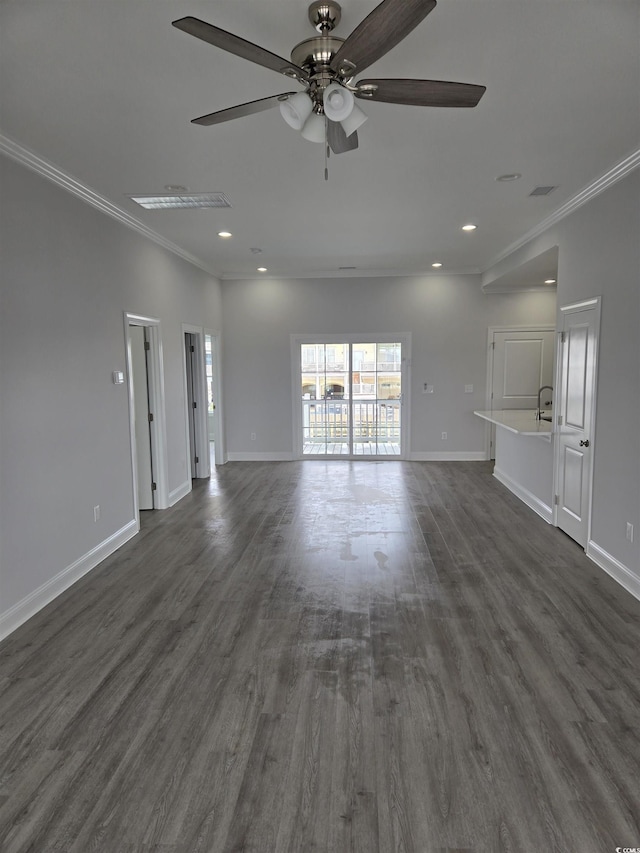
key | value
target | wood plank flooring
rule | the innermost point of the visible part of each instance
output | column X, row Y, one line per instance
column 329, row 656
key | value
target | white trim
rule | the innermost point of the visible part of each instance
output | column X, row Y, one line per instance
column 617, row 570
column 158, row 407
column 216, row 354
column 67, row 182
column 599, row 185
column 580, row 306
column 180, row 492
column 47, row 170
column 527, row 497
column 443, row 456
column 275, row 456
column 55, row 586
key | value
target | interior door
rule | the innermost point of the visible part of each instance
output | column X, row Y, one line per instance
column 192, row 396
column 522, row 364
column 139, row 347
column 578, row 353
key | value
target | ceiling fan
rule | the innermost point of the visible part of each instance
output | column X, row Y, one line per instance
column 326, row 66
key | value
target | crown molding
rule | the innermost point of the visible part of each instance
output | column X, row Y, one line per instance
column 67, row 182
column 599, row 185
column 351, row 273
column 43, row 167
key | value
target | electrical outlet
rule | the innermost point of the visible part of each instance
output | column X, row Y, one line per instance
column 96, row 513
column 253, row 436
column 444, row 436
column 629, row 531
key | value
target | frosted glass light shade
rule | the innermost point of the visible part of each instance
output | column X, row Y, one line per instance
column 353, row 121
column 296, row 109
column 338, row 102
column 314, row 128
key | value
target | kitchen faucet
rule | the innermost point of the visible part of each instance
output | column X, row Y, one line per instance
column 548, row 402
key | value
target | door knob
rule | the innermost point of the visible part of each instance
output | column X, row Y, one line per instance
column 584, row 443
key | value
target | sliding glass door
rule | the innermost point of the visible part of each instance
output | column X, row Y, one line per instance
column 351, row 394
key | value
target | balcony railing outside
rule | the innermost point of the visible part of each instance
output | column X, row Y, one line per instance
column 375, row 428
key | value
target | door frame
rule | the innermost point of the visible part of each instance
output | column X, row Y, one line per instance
column 594, row 303
column 158, row 428
column 405, row 409
column 203, row 466
column 491, row 332
column 219, row 444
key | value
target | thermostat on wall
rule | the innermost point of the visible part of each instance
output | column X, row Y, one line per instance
column 118, row 377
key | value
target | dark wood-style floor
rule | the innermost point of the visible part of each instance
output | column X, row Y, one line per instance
column 329, row 656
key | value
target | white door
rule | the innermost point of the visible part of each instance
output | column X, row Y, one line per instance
column 522, row 362
column 577, row 378
column 139, row 344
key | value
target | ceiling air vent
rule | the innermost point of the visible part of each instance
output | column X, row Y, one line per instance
column 181, row 201
column 542, row 190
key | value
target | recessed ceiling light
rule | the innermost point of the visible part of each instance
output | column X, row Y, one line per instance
column 469, row 227
column 262, row 269
column 436, row 266
column 511, row 176
column 550, row 281
column 225, row 234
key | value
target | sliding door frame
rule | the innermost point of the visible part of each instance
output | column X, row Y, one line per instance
column 296, row 371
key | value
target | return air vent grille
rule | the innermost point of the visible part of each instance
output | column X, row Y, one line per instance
column 542, row 190
column 181, row 201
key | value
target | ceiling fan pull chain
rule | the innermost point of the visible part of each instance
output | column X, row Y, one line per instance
column 327, row 152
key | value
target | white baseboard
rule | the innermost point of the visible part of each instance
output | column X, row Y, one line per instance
column 618, row 571
column 525, row 496
column 45, row 594
column 242, row 456
column 448, row 456
column 182, row 491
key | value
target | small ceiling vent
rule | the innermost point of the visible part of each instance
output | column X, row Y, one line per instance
column 177, row 201
column 542, row 190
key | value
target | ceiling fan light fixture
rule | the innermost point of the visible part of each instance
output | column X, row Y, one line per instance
column 314, row 129
column 353, row 121
column 296, row 110
column 338, row 102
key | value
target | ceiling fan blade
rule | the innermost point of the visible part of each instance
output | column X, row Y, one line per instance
column 381, row 30
column 421, row 93
column 339, row 142
column 239, row 47
column 242, row 110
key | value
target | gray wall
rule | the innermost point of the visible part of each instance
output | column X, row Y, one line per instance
column 599, row 255
column 68, row 272
column 448, row 317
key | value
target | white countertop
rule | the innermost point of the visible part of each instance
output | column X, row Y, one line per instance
column 521, row 421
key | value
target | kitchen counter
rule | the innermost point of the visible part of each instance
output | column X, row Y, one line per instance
column 521, row 421
column 524, row 463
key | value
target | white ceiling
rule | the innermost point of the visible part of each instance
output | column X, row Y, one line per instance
column 105, row 90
